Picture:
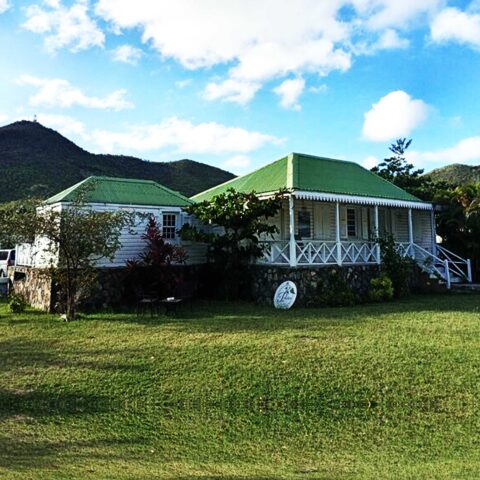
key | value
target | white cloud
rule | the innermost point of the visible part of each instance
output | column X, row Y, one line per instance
column 238, row 162
column 322, row 88
column 395, row 115
column 185, row 137
column 66, row 125
column 260, row 41
column 380, row 14
column 3, row 118
column 289, row 92
column 57, row 92
column 370, row 162
column 391, row 40
column 232, row 91
column 453, row 25
column 183, row 83
column 4, row 5
column 465, row 151
column 64, row 27
column 127, row 54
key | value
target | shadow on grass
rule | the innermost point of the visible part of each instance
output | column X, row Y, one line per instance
column 244, row 316
column 17, row 353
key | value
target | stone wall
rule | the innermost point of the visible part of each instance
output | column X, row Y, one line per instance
column 266, row 279
column 35, row 285
column 111, row 288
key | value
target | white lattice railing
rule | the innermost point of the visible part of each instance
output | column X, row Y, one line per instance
column 359, row 252
column 318, row 252
column 275, row 252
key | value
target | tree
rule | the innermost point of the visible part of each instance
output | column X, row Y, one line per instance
column 74, row 238
column 458, row 221
column 153, row 266
column 21, row 231
column 241, row 221
column 397, row 170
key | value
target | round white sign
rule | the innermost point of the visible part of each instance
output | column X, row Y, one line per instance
column 285, row 295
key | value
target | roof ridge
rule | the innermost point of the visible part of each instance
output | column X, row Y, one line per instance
column 122, row 179
column 328, row 159
column 389, row 182
column 241, row 176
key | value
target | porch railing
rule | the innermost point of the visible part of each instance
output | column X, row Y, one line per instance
column 318, row 252
column 441, row 262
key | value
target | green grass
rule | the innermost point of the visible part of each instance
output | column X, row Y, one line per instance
column 239, row 391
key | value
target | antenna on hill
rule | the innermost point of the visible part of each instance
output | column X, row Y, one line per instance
column 35, row 119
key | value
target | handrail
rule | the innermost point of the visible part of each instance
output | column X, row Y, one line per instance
column 432, row 268
column 450, row 254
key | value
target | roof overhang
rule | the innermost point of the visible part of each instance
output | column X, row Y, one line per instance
column 384, row 202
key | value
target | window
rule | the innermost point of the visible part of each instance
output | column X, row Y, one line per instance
column 351, row 222
column 169, row 225
column 305, row 224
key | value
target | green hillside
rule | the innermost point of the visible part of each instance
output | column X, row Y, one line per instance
column 456, row 174
column 38, row 161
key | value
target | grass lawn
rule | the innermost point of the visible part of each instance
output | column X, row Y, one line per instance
column 239, row 391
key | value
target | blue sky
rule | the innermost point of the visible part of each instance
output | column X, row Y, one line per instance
column 239, row 83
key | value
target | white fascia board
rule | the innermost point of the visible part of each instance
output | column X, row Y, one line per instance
column 385, row 202
column 127, row 206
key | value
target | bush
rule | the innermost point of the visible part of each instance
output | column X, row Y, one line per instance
column 336, row 292
column 16, row 303
column 397, row 268
column 381, row 289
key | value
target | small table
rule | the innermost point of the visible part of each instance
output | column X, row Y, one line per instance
column 171, row 305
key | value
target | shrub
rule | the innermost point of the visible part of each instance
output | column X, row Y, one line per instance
column 336, row 292
column 16, row 303
column 397, row 268
column 381, row 289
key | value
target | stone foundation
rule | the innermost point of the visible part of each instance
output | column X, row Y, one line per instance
column 111, row 287
column 308, row 280
column 35, row 285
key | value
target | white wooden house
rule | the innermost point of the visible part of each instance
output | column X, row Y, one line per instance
column 334, row 211
column 141, row 196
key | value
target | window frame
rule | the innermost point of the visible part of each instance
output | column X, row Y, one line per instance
column 349, row 224
column 167, row 232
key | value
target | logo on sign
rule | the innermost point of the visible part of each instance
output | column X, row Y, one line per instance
column 285, row 295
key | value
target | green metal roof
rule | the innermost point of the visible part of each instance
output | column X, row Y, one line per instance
column 124, row 191
column 315, row 174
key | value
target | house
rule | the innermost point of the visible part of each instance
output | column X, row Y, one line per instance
column 333, row 212
column 141, row 196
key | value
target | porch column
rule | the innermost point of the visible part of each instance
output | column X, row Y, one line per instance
column 376, row 229
column 410, row 230
column 292, row 243
column 337, row 233
column 434, row 231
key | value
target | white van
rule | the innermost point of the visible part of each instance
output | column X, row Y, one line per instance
column 7, row 259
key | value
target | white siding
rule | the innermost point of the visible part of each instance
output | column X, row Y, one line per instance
column 422, row 228
column 400, row 224
column 132, row 244
column 391, row 220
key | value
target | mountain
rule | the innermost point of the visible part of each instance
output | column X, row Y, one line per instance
column 456, row 174
column 38, row 161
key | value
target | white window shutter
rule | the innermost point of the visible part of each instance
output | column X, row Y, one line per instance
column 343, row 222
column 365, row 223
